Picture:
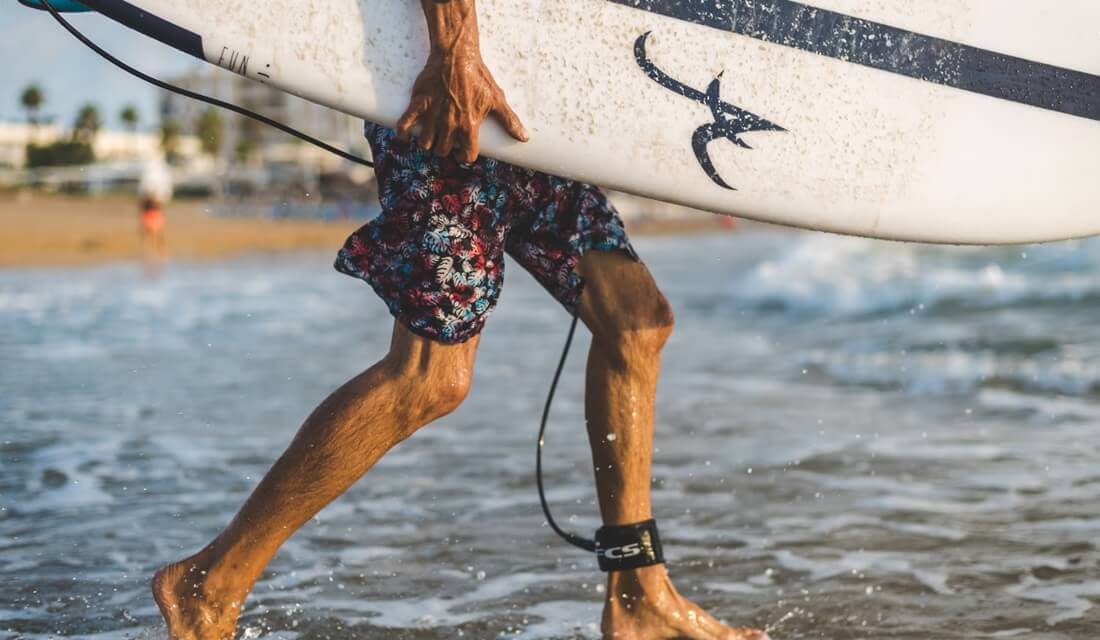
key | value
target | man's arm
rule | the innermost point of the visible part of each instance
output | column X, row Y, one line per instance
column 455, row 92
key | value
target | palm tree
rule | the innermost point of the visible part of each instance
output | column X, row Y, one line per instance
column 248, row 140
column 208, row 127
column 129, row 117
column 169, row 137
column 32, row 100
column 87, row 123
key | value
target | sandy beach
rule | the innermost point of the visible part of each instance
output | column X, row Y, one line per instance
column 47, row 230
column 51, row 230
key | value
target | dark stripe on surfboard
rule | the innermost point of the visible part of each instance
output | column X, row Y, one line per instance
column 886, row 48
column 151, row 25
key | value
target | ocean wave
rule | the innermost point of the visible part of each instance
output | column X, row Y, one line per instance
column 951, row 372
column 834, row 276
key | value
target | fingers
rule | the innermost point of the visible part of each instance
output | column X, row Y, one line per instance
column 412, row 114
column 428, row 132
column 469, row 155
column 445, row 144
column 442, row 135
column 510, row 120
column 459, row 139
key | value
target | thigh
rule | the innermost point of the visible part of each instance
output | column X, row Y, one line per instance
column 569, row 220
column 414, row 355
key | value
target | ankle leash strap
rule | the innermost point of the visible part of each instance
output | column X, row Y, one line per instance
column 618, row 548
column 631, row 546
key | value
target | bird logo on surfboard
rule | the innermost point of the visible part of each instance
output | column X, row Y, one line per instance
column 729, row 121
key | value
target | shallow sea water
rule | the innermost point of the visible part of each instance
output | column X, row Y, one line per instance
column 856, row 439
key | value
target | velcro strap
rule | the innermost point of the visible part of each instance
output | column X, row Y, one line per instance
column 631, row 546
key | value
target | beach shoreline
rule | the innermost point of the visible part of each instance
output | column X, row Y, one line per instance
column 46, row 230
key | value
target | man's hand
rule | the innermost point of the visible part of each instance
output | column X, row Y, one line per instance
column 455, row 92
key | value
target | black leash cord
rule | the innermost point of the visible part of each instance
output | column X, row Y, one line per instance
column 198, row 96
column 571, row 538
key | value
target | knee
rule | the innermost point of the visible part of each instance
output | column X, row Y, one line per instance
column 445, row 392
column 433, row 395
column 429, row 392
column 643, row 329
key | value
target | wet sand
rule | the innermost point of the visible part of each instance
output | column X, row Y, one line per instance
column 50, row 230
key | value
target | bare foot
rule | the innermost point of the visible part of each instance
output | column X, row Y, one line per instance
column 192, row 608
column 643, row 605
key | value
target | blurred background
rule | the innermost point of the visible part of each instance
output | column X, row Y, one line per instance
column 856, row 439
column 81, row 139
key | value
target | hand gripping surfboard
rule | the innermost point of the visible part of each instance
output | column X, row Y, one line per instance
column 960, row 121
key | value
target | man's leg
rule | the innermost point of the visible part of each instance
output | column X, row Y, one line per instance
column 630, row 321
column 416, row 383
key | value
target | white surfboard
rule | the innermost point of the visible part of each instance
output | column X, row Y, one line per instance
column 959, row 121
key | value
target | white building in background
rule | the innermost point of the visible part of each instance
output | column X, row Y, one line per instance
column 120, row 158
column 109, row 146
column 124, row 145
column 14, row 138
column 270, row 145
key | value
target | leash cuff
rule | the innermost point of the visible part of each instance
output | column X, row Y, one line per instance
column 631, row 546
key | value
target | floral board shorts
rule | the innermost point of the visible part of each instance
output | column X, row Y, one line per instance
column 436, row 252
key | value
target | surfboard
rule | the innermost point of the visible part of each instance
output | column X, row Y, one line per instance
column 959, row 121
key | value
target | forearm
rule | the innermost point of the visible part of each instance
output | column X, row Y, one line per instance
column 451, row 25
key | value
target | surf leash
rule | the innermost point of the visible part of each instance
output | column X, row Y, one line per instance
column 616, row 547
column 156, row 82
column 571, row 538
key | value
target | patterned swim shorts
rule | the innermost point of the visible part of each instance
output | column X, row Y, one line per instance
column 436, row 252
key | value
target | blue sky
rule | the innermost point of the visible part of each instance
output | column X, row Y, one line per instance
column 34, row 48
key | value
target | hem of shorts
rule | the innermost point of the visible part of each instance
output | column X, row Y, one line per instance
column 434, row 337
column 402, row 317
column 405, row 320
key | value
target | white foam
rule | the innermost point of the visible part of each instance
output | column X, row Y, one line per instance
column 957, row 372
column 838, row 276
column 438, row 610
column 1072, row 600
